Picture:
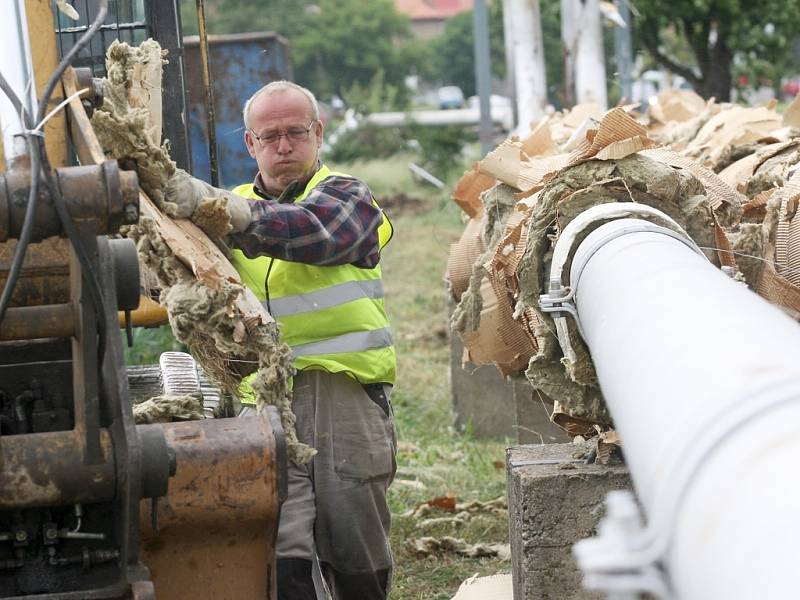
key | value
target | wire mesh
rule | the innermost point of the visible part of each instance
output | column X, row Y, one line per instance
column 125, row 21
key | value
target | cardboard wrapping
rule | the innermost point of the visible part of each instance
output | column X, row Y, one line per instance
column 791, row 114
column 618, row 135
column 734, row 126
column 468, row 190
column 502, row 271
column 787, row 238
column 463, row 255
column 739, row 172
column 718, row 191
column 499, row 339
column 677, row 106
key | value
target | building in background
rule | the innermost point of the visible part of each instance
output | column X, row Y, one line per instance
column 428, row 17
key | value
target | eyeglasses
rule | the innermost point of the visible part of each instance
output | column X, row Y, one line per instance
column 295, row 134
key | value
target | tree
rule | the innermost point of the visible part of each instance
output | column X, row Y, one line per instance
column 344, row 42
column 286, row 17
column 336, row 44
column 725, row 38
column 454, row 55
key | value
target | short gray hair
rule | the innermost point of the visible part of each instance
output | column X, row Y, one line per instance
column 277, row 87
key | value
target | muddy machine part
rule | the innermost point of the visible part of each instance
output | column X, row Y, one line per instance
column 73, row 465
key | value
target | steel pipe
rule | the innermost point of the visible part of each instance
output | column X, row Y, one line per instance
column 702, row 379
column 101, row 196
column 48, row 469
column 35, row 322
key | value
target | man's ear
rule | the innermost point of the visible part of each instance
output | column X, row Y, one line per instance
column 319, row 128
column 250, row 142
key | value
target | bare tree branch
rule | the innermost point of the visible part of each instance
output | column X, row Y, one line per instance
column 665, row 61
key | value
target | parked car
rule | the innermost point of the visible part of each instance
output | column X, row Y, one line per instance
column 450, row 96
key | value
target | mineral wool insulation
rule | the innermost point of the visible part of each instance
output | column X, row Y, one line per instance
column 636, row 178
column 199, row 315
column 741, row 213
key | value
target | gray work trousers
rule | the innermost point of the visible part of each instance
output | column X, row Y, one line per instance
column 336, row 509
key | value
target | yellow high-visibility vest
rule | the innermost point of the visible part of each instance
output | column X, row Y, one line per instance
column 332, row 317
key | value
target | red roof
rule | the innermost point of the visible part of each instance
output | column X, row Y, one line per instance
column 432, row 9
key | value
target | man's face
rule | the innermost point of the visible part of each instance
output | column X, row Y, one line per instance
column 277, row 138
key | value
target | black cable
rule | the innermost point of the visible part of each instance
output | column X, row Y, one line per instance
column 27, row 228
column 30, row 212
column 89, row 275
column 16, row 102
column 33, row 196
column 40, row 162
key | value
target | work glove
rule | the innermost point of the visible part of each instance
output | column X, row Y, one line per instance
column 187, row 197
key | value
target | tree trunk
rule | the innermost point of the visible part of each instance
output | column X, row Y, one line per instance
column 582, row 38
column 528, row 61
column 718, row 77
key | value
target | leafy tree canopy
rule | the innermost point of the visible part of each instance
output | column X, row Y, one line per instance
column 725, row 38
column 345, row 42
column 453, row 54
column 336, row 44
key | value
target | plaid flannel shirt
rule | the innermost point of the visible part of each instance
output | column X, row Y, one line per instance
column 336, row 224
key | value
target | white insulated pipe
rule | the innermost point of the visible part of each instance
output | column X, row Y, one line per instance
column 702, row 378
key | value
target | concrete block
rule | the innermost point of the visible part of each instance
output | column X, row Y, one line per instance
column 533, row 424
column 496, row 407
column 553, row 502
column 482, row 399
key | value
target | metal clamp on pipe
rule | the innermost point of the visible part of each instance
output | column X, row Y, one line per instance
column 559, row 300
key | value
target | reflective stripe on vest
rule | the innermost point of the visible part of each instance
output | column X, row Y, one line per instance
column 326, row 298
column 332, row 317
column 349, row 342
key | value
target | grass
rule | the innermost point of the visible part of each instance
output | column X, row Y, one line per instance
column 434, row 459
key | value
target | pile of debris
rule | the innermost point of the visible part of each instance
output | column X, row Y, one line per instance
column 727, row 174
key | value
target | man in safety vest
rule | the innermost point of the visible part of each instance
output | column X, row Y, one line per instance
column 308, row 243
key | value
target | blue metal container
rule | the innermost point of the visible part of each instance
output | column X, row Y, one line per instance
column 240, row 65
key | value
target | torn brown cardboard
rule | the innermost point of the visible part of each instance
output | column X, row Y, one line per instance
column 540, row 141
column 580, row 112
column 618, row 135
column 469, row 189
column 463, row 255
column 676, row 106
column 504, row 163
column 791, row 114
column 733, row 126
column 499, row 339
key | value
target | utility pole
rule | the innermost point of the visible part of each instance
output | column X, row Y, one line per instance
column 623, row 48
column 508, row 43
column 483, row 74
column 523, row 23
column 582, row 42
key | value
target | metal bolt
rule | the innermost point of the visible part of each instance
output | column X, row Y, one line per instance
column 51, row 533
column 131, row 214
column 21, row 535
